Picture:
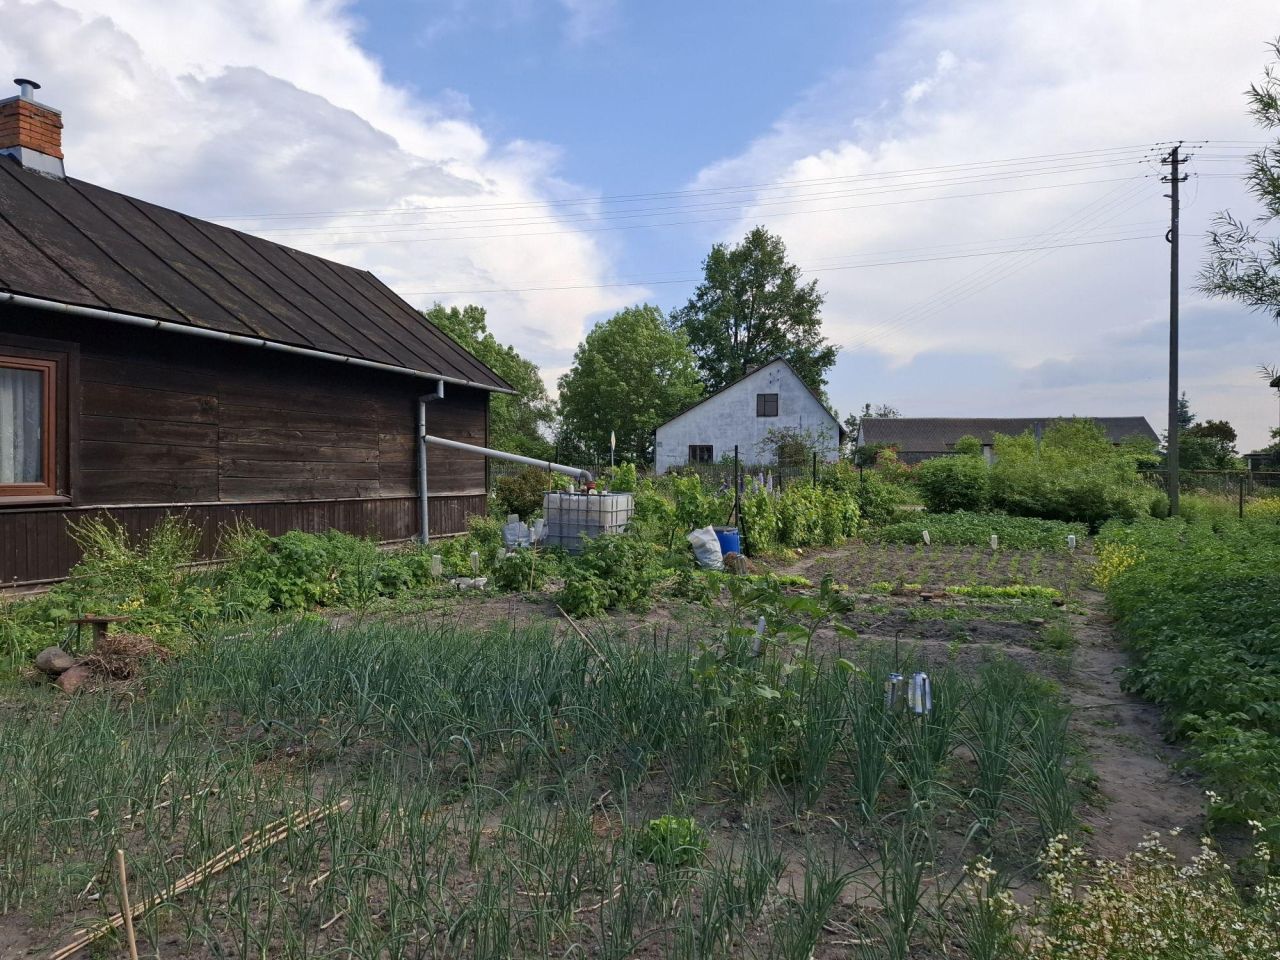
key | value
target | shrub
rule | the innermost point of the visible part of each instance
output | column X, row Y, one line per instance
column 613, row 570
column 968, row 446
column 948, row 484
column 877, row 499
column 1074, row 473
column 521, row 493
column 623, row 479
column 526, row 569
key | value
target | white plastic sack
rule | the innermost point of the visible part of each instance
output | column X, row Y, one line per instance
column 706, row 548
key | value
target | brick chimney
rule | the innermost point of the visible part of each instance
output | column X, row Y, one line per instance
column 31, row 132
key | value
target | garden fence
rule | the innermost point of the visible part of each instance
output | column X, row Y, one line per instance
column 1224, row 483
column 714, row 475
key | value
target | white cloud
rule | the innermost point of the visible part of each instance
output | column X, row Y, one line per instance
column 227, row 108
column 982, row 80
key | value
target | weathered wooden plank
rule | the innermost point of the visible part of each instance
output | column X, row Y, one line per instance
column 297, row 452
column 128, row 430
column 284, row 470
column 140, row 486
column 120, row 400
column 255, row 488
column 113, row 455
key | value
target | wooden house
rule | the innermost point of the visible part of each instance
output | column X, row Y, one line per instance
column 152, row 363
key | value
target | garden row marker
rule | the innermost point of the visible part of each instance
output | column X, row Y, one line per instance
column 758, row 644
column 249, row 844
column 995, row 542
column 924, row 535
column 1071, row 541
column 437, row 565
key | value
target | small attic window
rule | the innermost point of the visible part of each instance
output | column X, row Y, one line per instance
column 766, row 404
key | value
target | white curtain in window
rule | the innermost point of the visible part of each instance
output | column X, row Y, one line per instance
column 21, row 425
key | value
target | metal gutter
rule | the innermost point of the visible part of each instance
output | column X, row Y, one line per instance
column 170, row 327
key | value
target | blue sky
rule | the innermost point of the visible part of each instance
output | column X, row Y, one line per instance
column 636, row 98
column 438, row 144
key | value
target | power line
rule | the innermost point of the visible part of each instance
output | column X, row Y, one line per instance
column 680, row 223
column 405, row 226
column 1046, row 158
column 837, row 266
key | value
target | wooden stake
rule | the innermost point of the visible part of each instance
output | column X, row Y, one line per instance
column 249, row 844
column 585, row 639
column 125, row 910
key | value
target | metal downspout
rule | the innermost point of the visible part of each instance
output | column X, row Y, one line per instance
column 424, row 507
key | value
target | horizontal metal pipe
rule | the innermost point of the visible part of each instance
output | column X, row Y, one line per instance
column 584, row 475
column 170, row 327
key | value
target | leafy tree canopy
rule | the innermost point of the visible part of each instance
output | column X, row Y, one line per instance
column 631, row 374
column 517, row 423
column 1244, row 265
column 752, row 308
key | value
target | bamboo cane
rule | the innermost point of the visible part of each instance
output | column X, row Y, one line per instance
column 249, row 844
column 125, row 910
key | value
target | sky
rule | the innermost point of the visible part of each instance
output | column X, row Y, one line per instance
column 974, row 184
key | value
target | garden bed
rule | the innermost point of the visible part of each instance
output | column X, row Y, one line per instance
column 495, row 784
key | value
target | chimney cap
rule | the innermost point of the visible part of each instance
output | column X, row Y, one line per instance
column 26, row 86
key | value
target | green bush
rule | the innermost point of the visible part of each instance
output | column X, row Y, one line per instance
column 1074, row 473
column 524, row 569
column 521, row 493
column 623, row 479
column 953, row 483
column 613, row 570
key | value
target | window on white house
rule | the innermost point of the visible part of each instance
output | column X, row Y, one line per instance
column 26, row 426
column 701, row 453
column 766, row 404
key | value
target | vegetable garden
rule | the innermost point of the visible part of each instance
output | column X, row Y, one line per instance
column 618, row 754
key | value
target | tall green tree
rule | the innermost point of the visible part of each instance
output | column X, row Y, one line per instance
column 1243, row 265
column 631, row 374
column 519, row 423
column 751, row 308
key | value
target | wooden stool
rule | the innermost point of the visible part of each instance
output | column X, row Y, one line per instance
column 99, row 625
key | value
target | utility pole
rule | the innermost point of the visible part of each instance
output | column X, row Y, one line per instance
column 1174, row 159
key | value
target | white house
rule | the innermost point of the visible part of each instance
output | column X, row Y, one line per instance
column 770, row 397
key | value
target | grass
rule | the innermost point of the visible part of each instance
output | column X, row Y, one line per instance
column 495, row 785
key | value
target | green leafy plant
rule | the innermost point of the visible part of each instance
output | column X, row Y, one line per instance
column 671, row 841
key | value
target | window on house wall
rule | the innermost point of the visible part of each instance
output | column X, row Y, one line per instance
column 701, row 453
column 27, row 427
column 766, row 404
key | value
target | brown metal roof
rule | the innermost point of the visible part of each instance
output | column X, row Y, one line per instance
column 939, row 434
column 76, row 243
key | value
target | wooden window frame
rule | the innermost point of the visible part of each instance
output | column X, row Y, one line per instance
column 48, row 429
column 763, row 402
column 711, row 453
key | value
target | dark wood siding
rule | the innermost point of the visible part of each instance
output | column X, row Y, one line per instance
column 171, row 423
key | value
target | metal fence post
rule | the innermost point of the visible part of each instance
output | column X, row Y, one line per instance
column 1241, row 496
column 815, row 468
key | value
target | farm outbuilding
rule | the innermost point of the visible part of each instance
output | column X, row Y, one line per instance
column 152, row 363
column 917, row 439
